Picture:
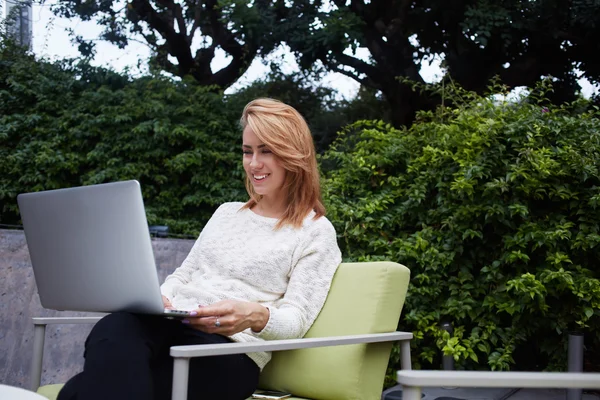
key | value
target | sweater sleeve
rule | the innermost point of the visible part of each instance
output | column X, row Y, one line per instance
column 308, row 286
column 183, row 274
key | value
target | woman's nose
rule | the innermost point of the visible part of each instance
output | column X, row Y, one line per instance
column 255, row 162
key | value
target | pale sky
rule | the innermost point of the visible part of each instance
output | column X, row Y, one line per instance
column 51, row 40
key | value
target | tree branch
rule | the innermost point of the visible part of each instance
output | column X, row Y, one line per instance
column 242, row 54
column 359, row 65
column 146, row 43
column 180, row 21
column 196, row 24
column 358, row 7
column 163, row 62
column 177, row 42
column 349, row 74
column 524, row 72
column 403, row 8
column 221, row 35
column 340, row 3
column 177, row 14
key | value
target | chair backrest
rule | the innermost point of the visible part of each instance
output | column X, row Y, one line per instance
column 365, row 297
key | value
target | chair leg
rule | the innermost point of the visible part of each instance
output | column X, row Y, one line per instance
column 411, row 393
column 405, row 362
column 181, row 373
column 39, row 334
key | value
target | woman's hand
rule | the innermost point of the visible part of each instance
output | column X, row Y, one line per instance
column 167, row 303
column 233, row 316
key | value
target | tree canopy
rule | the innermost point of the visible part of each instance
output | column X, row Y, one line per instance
column 184, row 36
column 520, row 41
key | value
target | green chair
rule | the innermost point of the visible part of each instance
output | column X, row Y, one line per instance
column 343, row 356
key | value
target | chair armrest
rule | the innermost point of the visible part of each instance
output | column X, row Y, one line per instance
column 182, row 354
column 412, row 381
column 287, row 344
column 39, row 334
column 65, row 320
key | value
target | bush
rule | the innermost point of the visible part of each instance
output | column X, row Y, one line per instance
column 71, row 124
column 494, row 208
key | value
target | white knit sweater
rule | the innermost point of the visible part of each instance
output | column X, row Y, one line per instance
column 240, row 256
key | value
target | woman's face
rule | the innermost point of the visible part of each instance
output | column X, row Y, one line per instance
column 262, row 167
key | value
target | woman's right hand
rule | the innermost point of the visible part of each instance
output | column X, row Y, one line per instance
column 228, row 317
column 167, row 303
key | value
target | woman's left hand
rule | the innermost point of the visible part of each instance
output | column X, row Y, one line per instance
column 228, row 317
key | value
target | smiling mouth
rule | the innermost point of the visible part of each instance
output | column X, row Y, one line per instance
column 259, row 178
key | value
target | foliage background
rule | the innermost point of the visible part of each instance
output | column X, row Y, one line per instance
column 72, row 124
column 494, row 207
column 492, row 204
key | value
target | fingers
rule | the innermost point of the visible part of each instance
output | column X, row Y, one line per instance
column 219, row 308
column 213, row 324
column 224, row 317
column 225, row 326
column 167, row 303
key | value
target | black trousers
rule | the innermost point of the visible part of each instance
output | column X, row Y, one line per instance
column 127, row 357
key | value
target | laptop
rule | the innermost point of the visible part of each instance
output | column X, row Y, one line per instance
column 90, row 249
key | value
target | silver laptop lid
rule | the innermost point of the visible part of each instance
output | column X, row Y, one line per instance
column 90, row 248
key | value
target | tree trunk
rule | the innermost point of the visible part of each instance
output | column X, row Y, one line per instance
column 405, row 102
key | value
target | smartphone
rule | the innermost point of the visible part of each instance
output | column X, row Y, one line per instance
column 270, row 394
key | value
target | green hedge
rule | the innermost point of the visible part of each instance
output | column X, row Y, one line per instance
column 494, row 208
column 68, row 125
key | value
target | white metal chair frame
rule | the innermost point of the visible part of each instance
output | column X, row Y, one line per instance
column 183, row 354
column 413, row 381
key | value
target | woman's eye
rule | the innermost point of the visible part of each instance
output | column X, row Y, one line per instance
column 246, row 152
column 266, row 151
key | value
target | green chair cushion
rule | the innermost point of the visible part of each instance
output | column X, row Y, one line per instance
column 50, row 391
column 365, row 297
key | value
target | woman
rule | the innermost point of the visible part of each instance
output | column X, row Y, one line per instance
column 260, row 270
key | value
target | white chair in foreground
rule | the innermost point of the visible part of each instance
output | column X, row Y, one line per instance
column 15, row 393
column 413, row 381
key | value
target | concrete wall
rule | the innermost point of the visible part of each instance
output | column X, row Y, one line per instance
column 19, row 301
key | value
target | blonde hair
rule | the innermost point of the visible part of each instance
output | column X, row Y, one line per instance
column 283, row 130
